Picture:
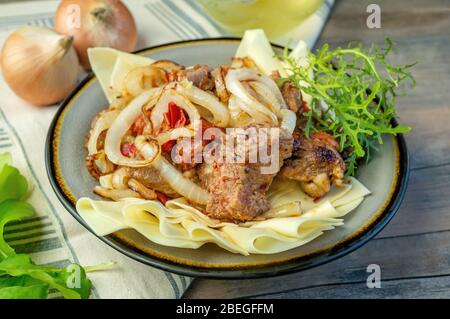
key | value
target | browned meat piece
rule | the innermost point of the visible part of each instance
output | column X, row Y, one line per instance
column 199, row 75
column 292, row 96
column 143, row 191
column 219, row 75
column 315, row 163
column 275, row 75
column 237, row 191
column 150, row 178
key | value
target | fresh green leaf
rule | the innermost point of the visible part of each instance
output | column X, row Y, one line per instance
column 19, row 276
column 358, row 88
column 74, row 277
column 12, row 184
column 21, row 264
column 11, row 210
column 71, row 282
column 25, row 280
column 28, row 292
column 5, row 158
column 22, row 287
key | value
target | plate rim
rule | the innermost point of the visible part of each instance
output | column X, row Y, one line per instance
column 363, row 236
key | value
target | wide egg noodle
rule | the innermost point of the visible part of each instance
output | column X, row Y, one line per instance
column 293, row 219
column 104, row 217
column 358, row 191
column 179, row 224
column 174, row 228
column 348, row 207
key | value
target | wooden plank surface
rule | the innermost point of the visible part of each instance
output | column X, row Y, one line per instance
column 413, row 251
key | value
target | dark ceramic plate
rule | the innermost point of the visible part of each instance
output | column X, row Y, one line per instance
column 386, row 176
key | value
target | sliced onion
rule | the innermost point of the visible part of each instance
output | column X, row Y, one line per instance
column 105, row 181
column 174, row 134
column 249, row 103
column 99, row 165
column 103, row 122
column 115, row 194
column 143, row 78
column 288, row 120
column 168, row 65
column 146, row 147
column 162, row 106
column 273, row 87
column 103, row 164
column 122, row 124
column 219, row 81
column 266, row 96
column 179, row 183
column 176, row 180
column 239, row 117
column 221, row 115
column 120, row 177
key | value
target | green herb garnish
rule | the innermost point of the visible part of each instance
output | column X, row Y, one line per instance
column 353, row 94
column 20, row 278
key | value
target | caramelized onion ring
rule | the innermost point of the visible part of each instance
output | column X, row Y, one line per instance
column 221, row 114
column 173, row 177
column 288, row 120
column 179, row 183
column 115, row 194
column 122, row 124
column 174, row 134
column 266, row 96
column 141, row 79
column 249, row 103
column 102, row 122
column 162, row 106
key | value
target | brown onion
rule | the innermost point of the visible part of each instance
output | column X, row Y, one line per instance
column 39, row 65
column 96, row 23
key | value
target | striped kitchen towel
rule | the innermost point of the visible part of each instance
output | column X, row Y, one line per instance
column 53, row 237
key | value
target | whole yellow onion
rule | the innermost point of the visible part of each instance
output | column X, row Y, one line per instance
column 40, row 65
column 96, row 23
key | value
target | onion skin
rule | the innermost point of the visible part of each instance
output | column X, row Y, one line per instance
column 39, row 65
column 102, row 23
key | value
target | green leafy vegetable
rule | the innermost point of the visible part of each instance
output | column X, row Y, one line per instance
column 22, row 287
column 12, row 184
column 353, row 94
column 71, row 281
column 11, row 210
column 5, row 158
column 19, row 276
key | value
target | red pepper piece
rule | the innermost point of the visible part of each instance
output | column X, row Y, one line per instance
column 128, row 150
column 163, row 198
column 167, row 147
column 137, row 128
column 175, row 117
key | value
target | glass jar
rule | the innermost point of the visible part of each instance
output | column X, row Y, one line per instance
column 276, row 17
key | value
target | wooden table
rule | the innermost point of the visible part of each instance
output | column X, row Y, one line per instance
column 414, row 249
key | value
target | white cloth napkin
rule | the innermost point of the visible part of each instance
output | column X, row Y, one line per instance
column 54, row 237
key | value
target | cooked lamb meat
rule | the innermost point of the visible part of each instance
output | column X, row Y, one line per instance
column 150, row 178
column 315, row 163
column 237, row 191
column 219, row 80
column 291, row 93
column 199, row 75
column 292, row 96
